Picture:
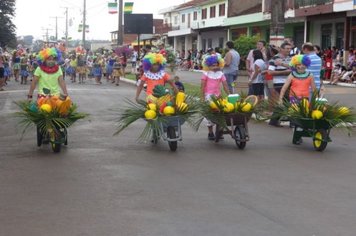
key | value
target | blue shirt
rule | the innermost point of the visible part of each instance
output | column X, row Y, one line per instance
column 315, row 68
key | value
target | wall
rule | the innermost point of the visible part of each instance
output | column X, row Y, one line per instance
column 214, row 35
column 315, row 30
column 236, row 7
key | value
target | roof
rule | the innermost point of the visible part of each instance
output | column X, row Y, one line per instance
column 190, row 4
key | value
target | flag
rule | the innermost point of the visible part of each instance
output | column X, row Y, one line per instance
column 80, row 28
column 112, row 7
column 128, row 7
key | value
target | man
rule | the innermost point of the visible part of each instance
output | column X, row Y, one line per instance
column 260, row 45
column 232, row 62
column 279, row 68
column 316, row 63
column 294, row 50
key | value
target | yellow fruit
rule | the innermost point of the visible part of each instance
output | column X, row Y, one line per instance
column 246, row 108
column 305, row 103
column 213, row 106
column 168, row 111
column 295, row 107
column 229, row 107
column 180, row 97
column 152, row 106
column 46, row 108
column 316, row 114
column 151, row 99
column 183, row 107
column 344, row 111
column 150, row 114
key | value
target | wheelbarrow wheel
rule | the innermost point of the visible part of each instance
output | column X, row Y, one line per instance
column 240, row 134
column 39, row 137
column 319, row 140
column 56, row 147
column 65, row 133
column 171, row 133
column 154, row 139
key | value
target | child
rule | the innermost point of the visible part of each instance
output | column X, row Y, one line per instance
column 154, row 74
column 256, row 81
column 178, row 84
column 211, row 82
column 81, row 68
column 300, row 81
column 97, row 69
column 117, row 71
column 24, row 70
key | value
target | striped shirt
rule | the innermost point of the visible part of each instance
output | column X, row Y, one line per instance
column 278, row 79
column 315, row 68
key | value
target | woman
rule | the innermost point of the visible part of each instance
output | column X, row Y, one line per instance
column 48, row 75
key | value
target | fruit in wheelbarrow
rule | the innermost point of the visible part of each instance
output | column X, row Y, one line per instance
column 305, row 105
column 168, row 111
column 213, row 106
column 246, row 107
column 316, row 114
column 152, row 106
column 344, row 111
column 228, row 107
column 150, row 114
column 46, row 108
column 180, row 97
column 183, row 107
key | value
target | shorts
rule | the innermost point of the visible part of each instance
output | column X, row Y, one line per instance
column 258, row 89
column 2, row 70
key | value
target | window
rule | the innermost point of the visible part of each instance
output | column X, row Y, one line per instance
column 210, row 43
column 212, row 11
column 221, row 42
column 183, row 18
column 203, row 13
column 176, row 20
column 204, row 45
column 195, row 15
column 222, row 9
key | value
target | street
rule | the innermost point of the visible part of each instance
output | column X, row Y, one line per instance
column 102, row 184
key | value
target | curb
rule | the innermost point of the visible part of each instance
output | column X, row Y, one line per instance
column 128, row 81
column 341, row 84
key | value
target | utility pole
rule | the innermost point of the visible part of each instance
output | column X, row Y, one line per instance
column 46, row 35
column 66, row 33
column 84, row 22
column 277, row 22
column 120, row 31
column 56, row 17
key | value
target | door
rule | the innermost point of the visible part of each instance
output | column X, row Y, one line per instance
column 188, row 20
column 326, row 32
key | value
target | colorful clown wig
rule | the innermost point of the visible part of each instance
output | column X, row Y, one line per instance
column 211, row 60
column 300, row 59
column 45, row 53
column 153, row 58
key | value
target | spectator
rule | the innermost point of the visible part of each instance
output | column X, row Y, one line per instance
column 231, row 67
column 178, row 84
column 337, row 74
column 294, row 49
column 315, row 66
column 257, row 80
column 279, row 68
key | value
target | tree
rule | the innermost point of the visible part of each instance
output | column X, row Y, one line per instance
column 7, row 27
column 277, row 22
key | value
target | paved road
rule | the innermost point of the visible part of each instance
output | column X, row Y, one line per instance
column 105, row 185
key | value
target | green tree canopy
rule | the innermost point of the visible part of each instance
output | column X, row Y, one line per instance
column 7, row 27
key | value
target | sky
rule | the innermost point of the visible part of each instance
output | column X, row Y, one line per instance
column 33, row 17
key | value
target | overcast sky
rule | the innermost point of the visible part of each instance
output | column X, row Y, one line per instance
column 33, row 17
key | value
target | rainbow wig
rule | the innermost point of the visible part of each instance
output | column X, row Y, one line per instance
column 300, row 59
column 153, row 58
column 45, row 53
column 211, row 60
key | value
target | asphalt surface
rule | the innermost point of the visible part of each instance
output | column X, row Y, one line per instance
column 102, row 184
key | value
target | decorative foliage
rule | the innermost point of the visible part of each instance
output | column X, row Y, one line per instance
column 157, row 113
column 46, row 115
column 316, row 109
